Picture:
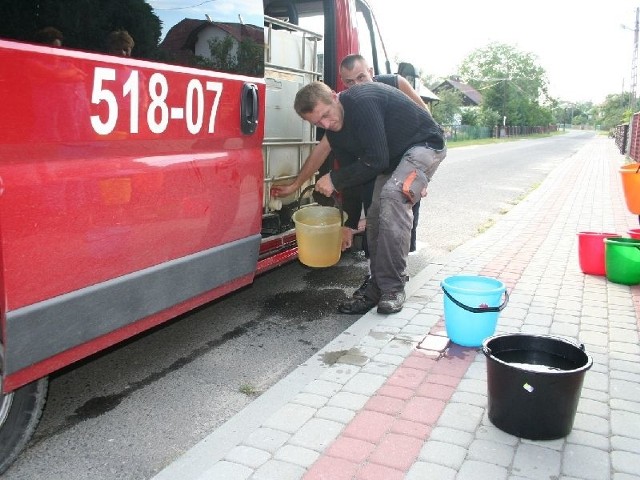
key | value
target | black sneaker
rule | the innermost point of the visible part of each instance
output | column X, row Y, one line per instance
column 391, row 302
column 357, row 306
column 359, row 293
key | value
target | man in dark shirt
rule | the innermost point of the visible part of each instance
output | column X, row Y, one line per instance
column 354, row 70
column 378, row 132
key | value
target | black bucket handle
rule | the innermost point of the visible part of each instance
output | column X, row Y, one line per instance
column 487, row 350
column 478, row 309
column 334, row 196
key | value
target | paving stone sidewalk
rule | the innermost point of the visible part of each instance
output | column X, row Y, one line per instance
column 403, row 402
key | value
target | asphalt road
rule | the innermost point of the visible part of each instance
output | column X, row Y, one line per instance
column 128, row 412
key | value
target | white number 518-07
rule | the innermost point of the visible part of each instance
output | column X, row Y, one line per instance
column 158, row 112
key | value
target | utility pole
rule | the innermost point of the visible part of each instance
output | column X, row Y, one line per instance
column 634, row 61
column 634, row 65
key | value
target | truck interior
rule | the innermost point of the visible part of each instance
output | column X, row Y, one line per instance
column 293, row 58
column 300, row 38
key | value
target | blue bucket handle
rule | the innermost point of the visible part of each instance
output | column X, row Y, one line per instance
column 478, row 309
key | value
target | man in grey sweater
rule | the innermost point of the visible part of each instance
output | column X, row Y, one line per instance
column 378, row 132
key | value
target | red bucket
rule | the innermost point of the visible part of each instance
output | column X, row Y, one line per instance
column 634, row 232
column 591, row 251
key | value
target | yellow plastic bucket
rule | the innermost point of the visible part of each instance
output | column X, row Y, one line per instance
column 319, row 237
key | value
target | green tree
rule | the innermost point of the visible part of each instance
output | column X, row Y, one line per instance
column 228, row 55
column 581, row 113
column 488, row 117
column 511, row 83
column 250, row 57
column 222, row 56
column 614, row 110
column 470, row 116
column 448, row 109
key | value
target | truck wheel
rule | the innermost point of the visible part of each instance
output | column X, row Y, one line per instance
column 19, row 415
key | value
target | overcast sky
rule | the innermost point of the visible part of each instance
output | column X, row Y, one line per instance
column 583, row 47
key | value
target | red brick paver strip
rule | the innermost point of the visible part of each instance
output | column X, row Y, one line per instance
column 419, row 389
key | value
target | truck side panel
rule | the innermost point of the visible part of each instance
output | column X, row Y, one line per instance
column 128, row 188
column 132, row 191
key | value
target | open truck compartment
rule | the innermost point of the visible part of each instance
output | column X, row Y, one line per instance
column 291, row 62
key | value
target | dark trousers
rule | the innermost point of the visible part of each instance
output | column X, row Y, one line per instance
column 357, row 198
column 390, row 219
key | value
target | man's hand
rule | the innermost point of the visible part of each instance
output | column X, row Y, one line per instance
column 325, row 186
column 347, row 237
column 283, row 190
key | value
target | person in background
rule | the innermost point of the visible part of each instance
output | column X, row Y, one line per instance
column 377, row 132
column 49, row 36
column 354, row 70
column 119, row 42
column 58, row 93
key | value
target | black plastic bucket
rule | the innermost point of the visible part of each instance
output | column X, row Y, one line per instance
column 534, row 383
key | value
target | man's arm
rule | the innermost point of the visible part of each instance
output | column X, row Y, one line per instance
column 406, row 88
column 311, row 165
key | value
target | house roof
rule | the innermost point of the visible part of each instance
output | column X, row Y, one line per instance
column 184, row 34
column 470, row 95
column 428, row 95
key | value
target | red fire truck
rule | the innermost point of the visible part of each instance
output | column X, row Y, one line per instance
column 135, row 188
